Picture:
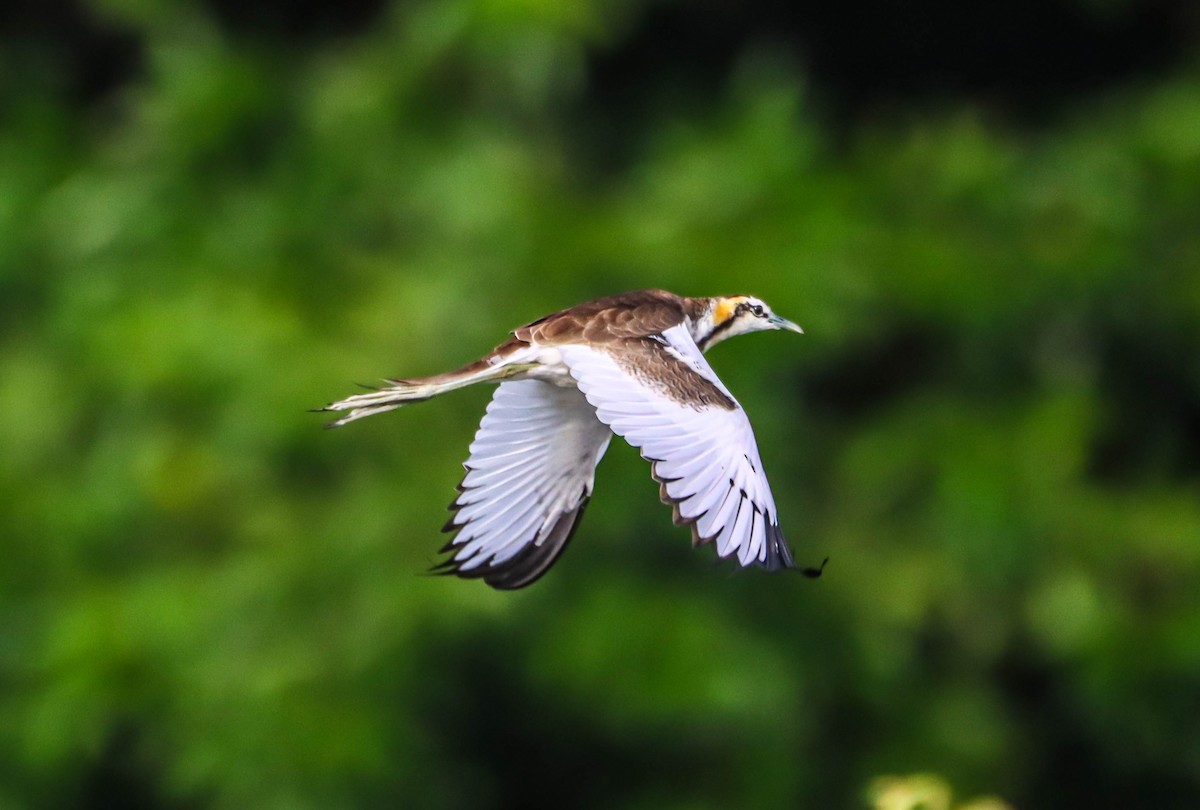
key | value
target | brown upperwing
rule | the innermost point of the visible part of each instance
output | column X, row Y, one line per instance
column 626, row 326
column 650, row 363
column 617, row 317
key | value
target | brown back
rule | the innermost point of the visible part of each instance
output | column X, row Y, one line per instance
column 613, row 318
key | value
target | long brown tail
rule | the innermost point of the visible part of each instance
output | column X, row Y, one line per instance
column 396, row 393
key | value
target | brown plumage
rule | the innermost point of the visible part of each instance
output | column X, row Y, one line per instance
column 652, row 364
column 636, row 314
column 607, row 320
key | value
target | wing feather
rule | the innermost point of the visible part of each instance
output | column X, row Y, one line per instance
column 528, row 479
column 698, row 439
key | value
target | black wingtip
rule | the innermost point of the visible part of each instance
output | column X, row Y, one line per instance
column 528, row 565
column 779, row 554
column 814, row 573
column 442, row 568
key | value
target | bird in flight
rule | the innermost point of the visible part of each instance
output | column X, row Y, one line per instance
column 630, row 364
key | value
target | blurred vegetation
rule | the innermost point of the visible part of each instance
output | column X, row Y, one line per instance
column 211, row 221
column 923, row 792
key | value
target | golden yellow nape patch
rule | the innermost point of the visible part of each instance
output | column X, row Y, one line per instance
column 725, row 308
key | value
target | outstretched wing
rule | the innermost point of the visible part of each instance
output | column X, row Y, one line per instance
column 528, row 480
column 661, row 395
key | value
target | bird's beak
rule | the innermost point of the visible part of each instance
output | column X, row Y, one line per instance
column 784, row 323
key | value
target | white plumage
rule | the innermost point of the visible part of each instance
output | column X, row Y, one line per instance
column 533, row 460
column 706, row 458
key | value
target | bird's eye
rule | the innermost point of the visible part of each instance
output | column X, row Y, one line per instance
column 757, row 310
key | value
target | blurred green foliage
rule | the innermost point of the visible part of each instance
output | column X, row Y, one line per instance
column 990, row 428
column 923, row 792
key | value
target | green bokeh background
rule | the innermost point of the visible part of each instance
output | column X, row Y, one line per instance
column 991, row 427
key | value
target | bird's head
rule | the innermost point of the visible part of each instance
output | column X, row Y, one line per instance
column 727, row 316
